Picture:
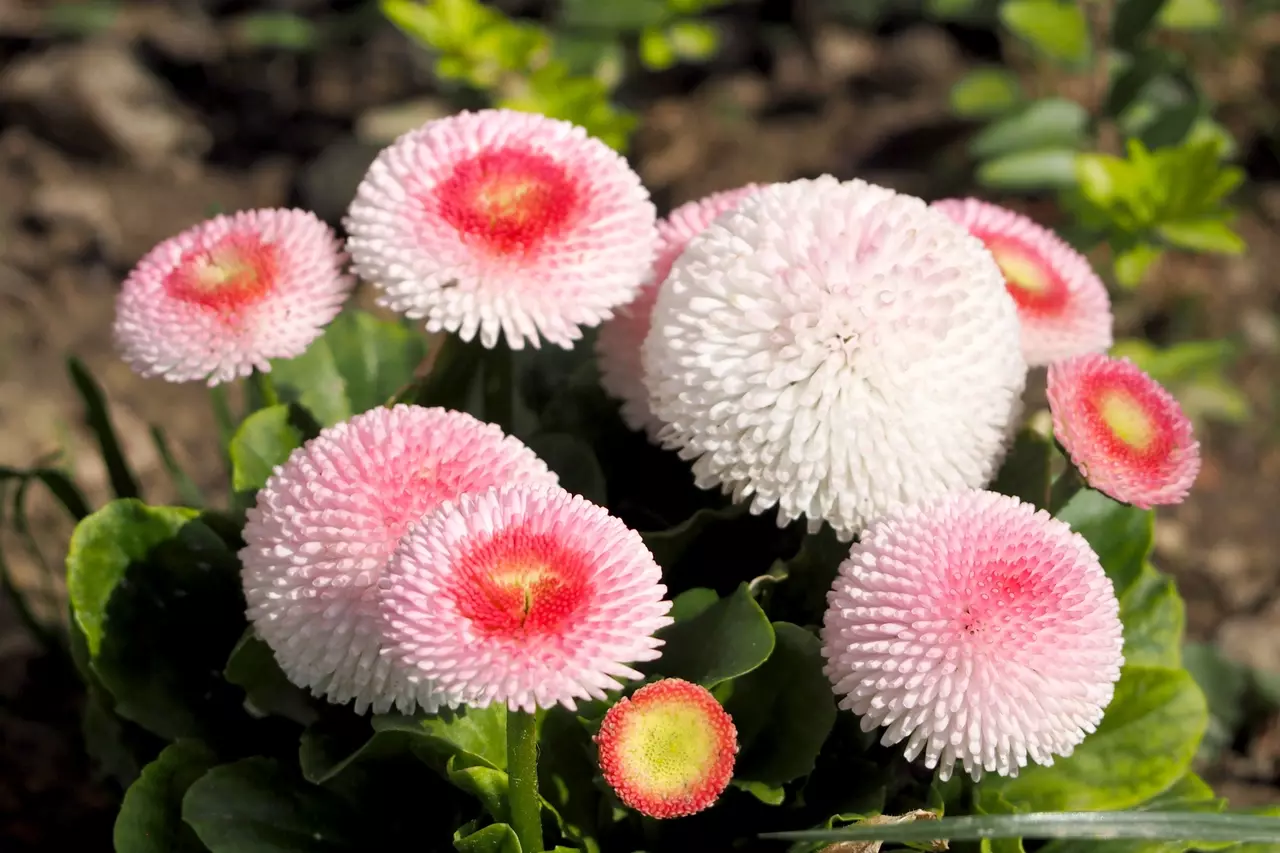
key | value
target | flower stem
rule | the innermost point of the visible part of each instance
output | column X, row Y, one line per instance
column 1068, row 484
column 522, row 773
column 266, row 389
column 498, row 390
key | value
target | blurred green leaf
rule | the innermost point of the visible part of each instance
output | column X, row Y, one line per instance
column 150, row 817
column 1056, row 28
column 693, row 41
column 81, row 18
column 1154, row 616
column 630, row 16
column 1119, row 534
column 188, row 491
column 374, row 357
column 1202, row 235
column 277, row 31
column 1225, row 684
column 656, row 51
column 1041, row 169
column 1043, row 124
column 98, row 419
column 1145, row 743
column 1192, row 14
column 573, row 460
column 1131, row 20
column 726, row 640
column 1025, row 472
column 985, row 93
column 265, row 440
column 1131, row 265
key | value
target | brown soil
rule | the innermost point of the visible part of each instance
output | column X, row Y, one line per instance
column 112, row 143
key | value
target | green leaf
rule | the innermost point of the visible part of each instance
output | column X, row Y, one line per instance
column 656, row 51
column 693, row 41
column 1025, row 472
column 265, row 440
column 1131, row 265
column 1024, row 171
column 1203, row 235
column 103, row 546
column 97, row 418
column 566, row 769
column 1048, row 123
column 986, row 93
column 1096, row 825
column 1132, row 20
column 667, row 546
column 783, row 710
column 1121, row 535
column 157, row 594
column 257, row 806
column 1192, row 14
column 1144, row 744
column 376, row 358
column 573, row 460
column 494, row 838
column 150, row 817
column 692, row 602
column 1056, row 28
column 1225, row 684
column 726, row 640
column 1154, row 617
column 252, row 667
column 312, row 380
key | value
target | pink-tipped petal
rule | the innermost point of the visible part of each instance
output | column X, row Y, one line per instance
column 222, row 298
column 618, row 344
column 503, row 223
column 977, row 629
column 1125, row 433
column 1063, row 306
column 528, row 596
column 328, row 521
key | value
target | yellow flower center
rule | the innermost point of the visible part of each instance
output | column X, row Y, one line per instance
column 1126, row 419
column 667, row 748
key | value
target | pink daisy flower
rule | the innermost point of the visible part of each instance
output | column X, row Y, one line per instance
column 527, row 596
column 1125, row 433
column 668, row 751
column 504, row 222
column 330, row 518
column 976, row 628
column 224, row 297
column 1062, row 304
column 618, row 344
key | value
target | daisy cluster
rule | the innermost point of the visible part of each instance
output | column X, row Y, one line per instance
column 832, row 351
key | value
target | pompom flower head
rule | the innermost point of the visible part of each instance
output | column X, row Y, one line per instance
column 329, row 519
column 224, row 297
column 668, row 750
column 978, row 629
column 1062, row 304
column 1125, row 433
column 618, row 344
column 526, row 596
column 835, row 349
column 501, row 222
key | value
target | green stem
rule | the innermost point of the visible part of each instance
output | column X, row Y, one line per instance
column 266, row 389
column 498, row 390
column 448, row 380
column 1068, row 484
column 522, row 775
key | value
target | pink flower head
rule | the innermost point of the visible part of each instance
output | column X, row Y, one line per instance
column 525, row 595
column 224, row 297
column 330, row 518
column 1062, row 304
column 977, row 628
column 668, row 751
column 618, row 344
column 1125, row 433
column 502, row 222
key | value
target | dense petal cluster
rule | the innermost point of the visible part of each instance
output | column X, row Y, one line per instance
column 1125, row 433
column 329, row 519
column 835, row 349
column 1062, row 304
column 668, row 750
column 978, row 629
column 527, row 596
column 225, row 296
column 618, row 344
column 501, row 222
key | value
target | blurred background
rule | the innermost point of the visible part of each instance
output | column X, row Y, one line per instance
column 123, row 122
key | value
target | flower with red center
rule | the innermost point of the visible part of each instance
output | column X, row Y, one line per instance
column 328, row 521
column 224, row 297
column 500, row 222
column 1063, row 306
column 668, row 750
column 978, row 629
column 618, row 344
column 1125, row 433
column 524, row 595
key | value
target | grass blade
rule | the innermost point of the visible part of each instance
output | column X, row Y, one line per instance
column 98, row 419
column 188, row 491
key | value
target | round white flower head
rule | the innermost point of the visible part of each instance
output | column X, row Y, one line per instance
column 835, row 349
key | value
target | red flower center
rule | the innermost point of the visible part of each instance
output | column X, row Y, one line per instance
column 998, row 593
column 1034, row 285
column 1128, row 419
column 519, row 583
column 233, row 273
column 510, row 200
